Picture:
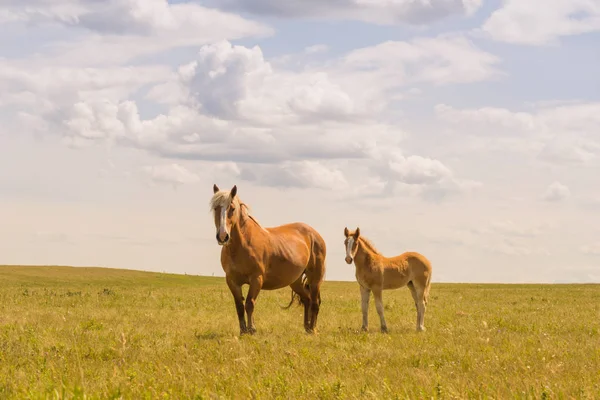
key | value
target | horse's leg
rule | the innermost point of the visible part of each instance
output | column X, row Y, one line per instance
column 298, row 287
column 415, row 297
column 314, row 278
column 255, row 287
column 421, row 307
column 236, row 291
column 379, row 307
column 365, row 294
column 315, row 304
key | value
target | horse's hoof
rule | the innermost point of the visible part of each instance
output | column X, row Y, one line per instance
column 384, row 329
column 421, row 329
column 364, row 329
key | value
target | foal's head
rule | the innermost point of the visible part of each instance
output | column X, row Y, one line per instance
column 225, row 206
column 351, row 244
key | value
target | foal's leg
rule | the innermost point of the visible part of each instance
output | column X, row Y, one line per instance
column 415, row 297
column 255, row 286
column 379, row 307
column 365, row 294
column 421, row 307
column 236, row 291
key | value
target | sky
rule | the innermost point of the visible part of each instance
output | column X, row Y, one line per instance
column 466, row 130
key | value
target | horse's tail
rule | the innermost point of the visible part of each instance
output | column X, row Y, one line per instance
column 307, row 287
column 295, row 295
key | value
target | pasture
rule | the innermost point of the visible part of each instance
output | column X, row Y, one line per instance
column 105, row 333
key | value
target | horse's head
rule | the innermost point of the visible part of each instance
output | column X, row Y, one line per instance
column 225, row 206
column 351, row 244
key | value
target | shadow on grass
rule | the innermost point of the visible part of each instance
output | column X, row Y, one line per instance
column 209, row 335
column 400, row 330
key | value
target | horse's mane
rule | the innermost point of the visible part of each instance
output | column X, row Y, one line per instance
column 369, row 245
column 223, row 198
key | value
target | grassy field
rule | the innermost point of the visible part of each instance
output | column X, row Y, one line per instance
column 103, row 333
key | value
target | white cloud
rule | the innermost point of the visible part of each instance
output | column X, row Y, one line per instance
column 299, row 174
column 418, row 170
column 445, row 59
column 118, row 31
column 373, row 11
column 525, row 22
column 484, row 118
column 170, row 174
column 560, row 135
column 317, row 48
column 555, row 192
column 46, row 87
column 591, row 249
column 232, row 105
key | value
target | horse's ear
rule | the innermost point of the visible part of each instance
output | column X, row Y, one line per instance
column 346, row 231
column 215, row 188
column 233, row 191
column 357, row 232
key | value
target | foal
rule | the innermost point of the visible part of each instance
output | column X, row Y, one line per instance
column 375, row 273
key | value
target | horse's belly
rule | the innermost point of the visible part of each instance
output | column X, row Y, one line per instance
column 279, row 276
column 394, row 279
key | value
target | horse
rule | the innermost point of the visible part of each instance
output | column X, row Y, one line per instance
column 376, row 273
column 270, row 258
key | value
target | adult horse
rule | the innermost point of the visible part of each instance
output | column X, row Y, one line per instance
column 376, row 273
column 267, row 258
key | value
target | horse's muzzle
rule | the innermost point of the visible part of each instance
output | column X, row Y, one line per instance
column 223, row 241
column 348, row 260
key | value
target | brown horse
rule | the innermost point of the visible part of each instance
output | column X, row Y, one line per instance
column 376, row 273
column 267, row 258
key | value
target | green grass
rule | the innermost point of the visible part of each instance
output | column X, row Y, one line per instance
column 103, row 333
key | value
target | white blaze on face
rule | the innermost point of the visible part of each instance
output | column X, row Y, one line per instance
column 222, row 224
column 349, row 247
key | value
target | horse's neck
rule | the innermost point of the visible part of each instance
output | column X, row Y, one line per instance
column 245, row 228
column 365, row 257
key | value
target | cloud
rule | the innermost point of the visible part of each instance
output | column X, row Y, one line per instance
column 557, row 134
column 40, row 86
column 377, row 11
column 170, row 174
column 299, row 174
column 484, row 118
column 556, row 192
column 524, row 22
column 231, row 105
column 114, row 32
column 445, row 59
column 591, row 249
column 417, row 175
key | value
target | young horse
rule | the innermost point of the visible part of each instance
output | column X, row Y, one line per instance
column 267, row 258
column 375, row 272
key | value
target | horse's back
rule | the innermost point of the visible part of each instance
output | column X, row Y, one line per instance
column 414, row 257
column 299, row 228
column 419, row 266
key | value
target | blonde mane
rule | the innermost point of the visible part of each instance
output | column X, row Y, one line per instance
column 223, row 199
column 369, row 245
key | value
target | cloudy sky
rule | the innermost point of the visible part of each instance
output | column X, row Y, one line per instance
column 467, row 130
